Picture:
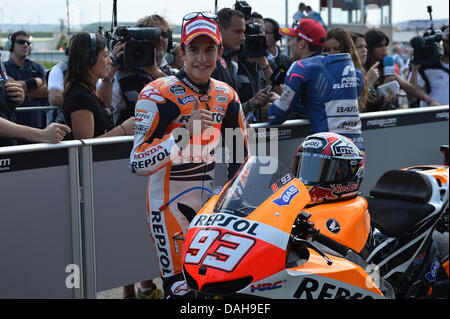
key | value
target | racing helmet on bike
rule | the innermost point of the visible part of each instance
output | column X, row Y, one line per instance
column 330, row 165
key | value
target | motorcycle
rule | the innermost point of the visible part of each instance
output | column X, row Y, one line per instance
column 410, row 242
column 254, row 238
column 258, row 237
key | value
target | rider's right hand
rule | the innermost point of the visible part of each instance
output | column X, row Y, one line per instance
column 200, row 119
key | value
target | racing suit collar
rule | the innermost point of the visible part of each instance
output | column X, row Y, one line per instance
column 199, row 89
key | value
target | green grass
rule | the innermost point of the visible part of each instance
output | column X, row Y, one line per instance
column 47, row 65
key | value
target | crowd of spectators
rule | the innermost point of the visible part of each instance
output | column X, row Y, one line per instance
column 112, row 90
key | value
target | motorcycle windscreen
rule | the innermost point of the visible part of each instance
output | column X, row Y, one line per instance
column 227, row 249
column 257, row 179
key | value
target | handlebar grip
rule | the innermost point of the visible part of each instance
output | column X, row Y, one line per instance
column 331, row 243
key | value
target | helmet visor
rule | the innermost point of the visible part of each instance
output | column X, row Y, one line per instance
column 316, row 168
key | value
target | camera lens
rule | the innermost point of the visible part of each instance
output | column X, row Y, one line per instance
column 255, row 46
column 139, row 53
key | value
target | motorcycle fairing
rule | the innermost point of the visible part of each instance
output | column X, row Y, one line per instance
column 224, row 249
column 317, row 280
column 303, row 284
column 351, row 215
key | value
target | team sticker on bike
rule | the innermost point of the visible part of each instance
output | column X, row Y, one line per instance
column 281, row 182
column 287, row 196
column 223, row 240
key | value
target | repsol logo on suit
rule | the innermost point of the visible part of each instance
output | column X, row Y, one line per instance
column 158, row 157
column 162, row 243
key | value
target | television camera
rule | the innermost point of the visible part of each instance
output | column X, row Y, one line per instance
column 254, row 45
column 139, row 49
column 426, row 48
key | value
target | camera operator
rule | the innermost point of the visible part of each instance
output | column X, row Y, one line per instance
column 432, row 76
column 122, row 85
column 254, row 70
column 232, row 27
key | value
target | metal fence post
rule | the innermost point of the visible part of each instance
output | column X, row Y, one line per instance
column 88, row 223
column 75, row 213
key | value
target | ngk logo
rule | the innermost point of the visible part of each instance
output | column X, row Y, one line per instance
column 266, row 286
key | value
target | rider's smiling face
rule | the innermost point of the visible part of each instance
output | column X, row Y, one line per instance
column 200, row 58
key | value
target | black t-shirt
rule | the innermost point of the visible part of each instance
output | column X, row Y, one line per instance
column 80, row 98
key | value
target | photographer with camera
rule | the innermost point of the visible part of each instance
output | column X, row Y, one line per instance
column 429, row 68
column 138, row 59
column 254, row 71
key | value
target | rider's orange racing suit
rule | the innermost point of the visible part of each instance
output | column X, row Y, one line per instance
column 163, row 106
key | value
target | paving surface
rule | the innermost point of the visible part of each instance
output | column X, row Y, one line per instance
column 117, row 293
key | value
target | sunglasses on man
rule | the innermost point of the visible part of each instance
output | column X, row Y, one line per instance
column 21, row 41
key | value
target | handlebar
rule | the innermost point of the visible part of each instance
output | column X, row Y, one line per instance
column 331, row 243
column 304, row 229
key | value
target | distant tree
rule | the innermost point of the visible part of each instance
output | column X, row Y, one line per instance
column 62, row 41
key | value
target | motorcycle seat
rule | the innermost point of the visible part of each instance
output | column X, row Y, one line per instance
column 394, row 217
column 399, row 201
column 403, row 185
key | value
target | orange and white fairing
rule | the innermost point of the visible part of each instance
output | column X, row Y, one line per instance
column 239, row 243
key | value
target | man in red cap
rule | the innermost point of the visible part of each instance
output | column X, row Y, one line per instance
column 175, row 117
column 323, row 87
column 308, row 38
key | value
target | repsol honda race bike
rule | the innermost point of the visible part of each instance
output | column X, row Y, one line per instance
column 400, row 248
column 253, row 238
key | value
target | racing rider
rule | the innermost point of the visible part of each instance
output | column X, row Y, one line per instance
column 323, row 87
column 168, row 110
